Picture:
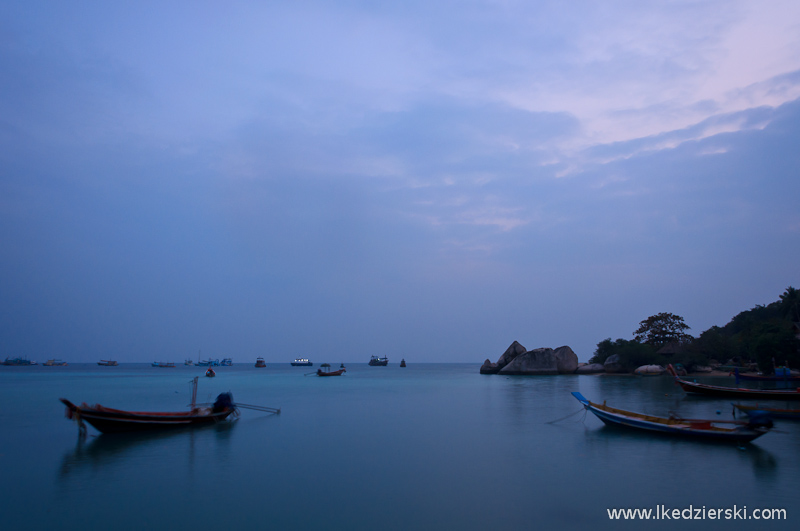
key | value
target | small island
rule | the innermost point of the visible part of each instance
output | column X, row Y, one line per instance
column 760, row 339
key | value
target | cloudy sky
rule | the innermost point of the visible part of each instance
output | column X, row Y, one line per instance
column 426, row 180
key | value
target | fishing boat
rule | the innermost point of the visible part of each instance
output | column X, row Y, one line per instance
column 786, row 376
column 375, row 361
column 329, row 372
column 19, row 361
column 208, row 363
column 301, row 362
column 226, row 362
column 733, row 392
column 163, row 364
column 774, row 412
column 188, row 362
column 673, row 425
column 260, row 362
column 210, row 372
column 107, row 420
column 54, row 363
column 403, row 362
column 107, row 363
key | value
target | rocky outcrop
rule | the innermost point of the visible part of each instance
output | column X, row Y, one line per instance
column 514, row 350
column 543, row 361
column 613, row 364
column 650, row 370
column 591, row 368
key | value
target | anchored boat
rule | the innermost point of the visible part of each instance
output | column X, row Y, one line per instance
column 692, row 428
column 733, row 392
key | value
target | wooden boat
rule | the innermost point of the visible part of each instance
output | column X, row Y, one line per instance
column 208, row 363
column 210, row 373
column 260, row 362
column 733, row 392
column 787, row 377
column 54, row 363
column 107, row 420
column 375, row 361
column 320, row 372
column 226, row 362
column 163, row 364
column 774, row 412
column 107, row 363
column 691, row 428
column 302, row 362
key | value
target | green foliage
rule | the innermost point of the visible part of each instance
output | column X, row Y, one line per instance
column 661, row 329
column 632, row 354
column 761, row 334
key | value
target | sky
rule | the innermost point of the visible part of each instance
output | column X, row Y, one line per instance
column 421, row 180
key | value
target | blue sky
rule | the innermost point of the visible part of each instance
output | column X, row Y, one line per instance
column 427, row 180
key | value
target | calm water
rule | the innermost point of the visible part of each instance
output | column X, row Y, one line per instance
column 424, row 447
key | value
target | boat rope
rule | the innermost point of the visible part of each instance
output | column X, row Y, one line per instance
column 568, row 416
column 276, row 411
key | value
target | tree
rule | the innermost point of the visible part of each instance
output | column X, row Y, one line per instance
column 661, row 329
column 790, row 304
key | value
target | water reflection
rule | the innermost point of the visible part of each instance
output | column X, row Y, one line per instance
column 607, row 440
column 105, row 450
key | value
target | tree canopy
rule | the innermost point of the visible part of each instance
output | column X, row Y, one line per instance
column 661, row 329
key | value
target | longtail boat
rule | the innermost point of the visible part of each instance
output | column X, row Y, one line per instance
column 107, row 420
column 107, row 363
column 329, row 372
column 733, row 392
column 774, row 412
column 691, row 428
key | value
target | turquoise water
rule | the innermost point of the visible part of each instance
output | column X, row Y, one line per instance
column 424, row 447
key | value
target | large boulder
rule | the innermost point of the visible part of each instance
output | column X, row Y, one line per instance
column 591, row 368
column 542, row 361
column 613, row 364
column 514, row 350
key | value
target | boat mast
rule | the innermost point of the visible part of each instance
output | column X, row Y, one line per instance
column 194, row 392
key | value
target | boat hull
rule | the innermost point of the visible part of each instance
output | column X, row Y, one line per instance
column 776, row 413
column 332, row 373
column 733, row 392
column 108, row 420
column 687, row 428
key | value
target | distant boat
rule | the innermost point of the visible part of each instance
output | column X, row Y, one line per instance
column 691, row 428
column 302, row 362
column 375, row 361
column 19, row 361
column 163, row 364
column 226, row 362
column 210, row 372
column 786, row 376
column 54, row 363
column 774, row 412
column 403, row 362
column 260, row 362
column 208, row 363
column 188, row 362
column 107, row 420
column 108, row 363
column 733, row 392
column 329, row 372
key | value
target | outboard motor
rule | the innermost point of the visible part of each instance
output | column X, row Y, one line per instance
column 760, row 420
column 224, row 401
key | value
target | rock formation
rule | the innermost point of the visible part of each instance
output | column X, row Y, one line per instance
column 539, row 361
column 613, row 364
column 514, row 350
column 591, row 368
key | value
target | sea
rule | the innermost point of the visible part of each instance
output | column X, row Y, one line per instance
column 425, row 447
